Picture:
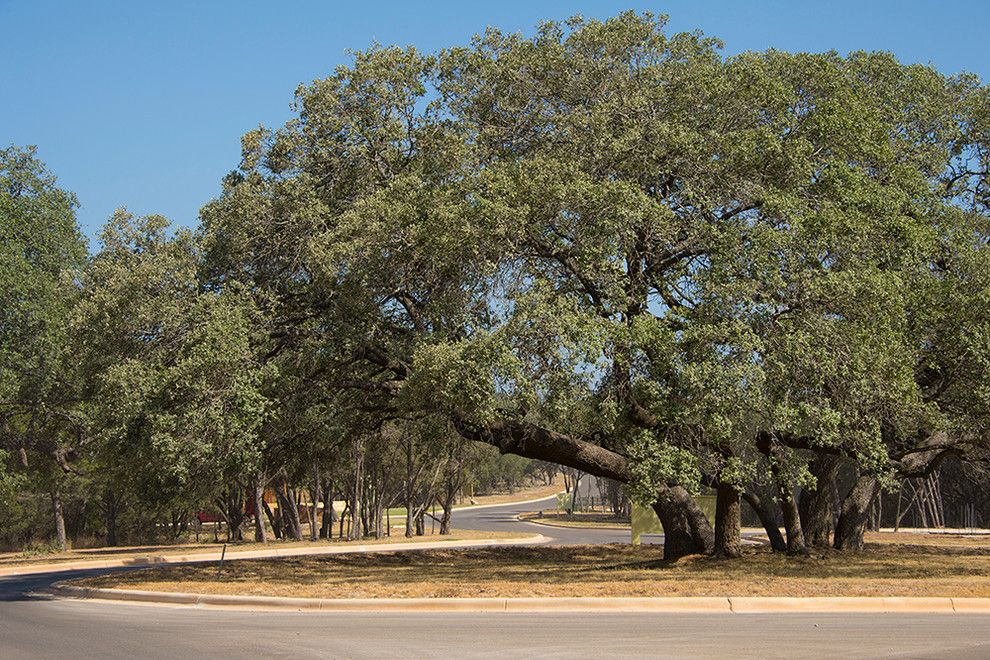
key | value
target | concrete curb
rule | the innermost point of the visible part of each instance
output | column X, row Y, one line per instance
column 150, row 561
column 733, row 605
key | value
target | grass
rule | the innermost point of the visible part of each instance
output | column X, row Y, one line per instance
column 94, row 554
column 893, row 565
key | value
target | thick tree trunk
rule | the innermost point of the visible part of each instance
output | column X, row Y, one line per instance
column 728, row 542
column 289, row 510
column 59, row 516
column 792, row 521
column 683, row 533
column 260, row 533
column 677, row 539
column 817, row 517
column 852, row 519
column 702, row 533
column 768, row 518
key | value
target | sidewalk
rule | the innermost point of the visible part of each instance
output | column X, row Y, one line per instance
column 165, row 559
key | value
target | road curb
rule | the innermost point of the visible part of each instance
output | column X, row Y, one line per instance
column 725, row 605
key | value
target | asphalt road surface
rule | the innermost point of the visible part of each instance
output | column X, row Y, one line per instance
column 36, row 626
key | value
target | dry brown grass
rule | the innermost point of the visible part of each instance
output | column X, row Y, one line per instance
column 906, row 565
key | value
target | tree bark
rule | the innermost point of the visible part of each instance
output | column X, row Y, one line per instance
column 274, row 519
column 785, row 492
column 768, row 519
column 111, row 507
column 702, row 534
column 314, row 498
column 815, row 507
column 728, row 543
column 683, row 533
column 326, row 523
column 852, row 519
column 59, row 515
column 448, row 507
column 289, row 510
column 511, row 436
column 792, row 521
column 356, row 493
column 260, row 533
column 408, row 490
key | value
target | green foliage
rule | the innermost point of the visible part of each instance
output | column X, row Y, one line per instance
column 607, row 229
column 657, row 463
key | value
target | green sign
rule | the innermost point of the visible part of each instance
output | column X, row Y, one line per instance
column 645, row 520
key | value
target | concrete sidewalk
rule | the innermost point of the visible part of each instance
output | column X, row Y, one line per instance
column 265, row 553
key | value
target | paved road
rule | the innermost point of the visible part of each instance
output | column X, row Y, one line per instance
column 39, row 627
column 504, row 519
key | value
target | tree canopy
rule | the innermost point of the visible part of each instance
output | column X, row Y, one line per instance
column 602, row 245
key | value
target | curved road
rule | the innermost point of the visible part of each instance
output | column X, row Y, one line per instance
column 503, row 518
column 36, row 626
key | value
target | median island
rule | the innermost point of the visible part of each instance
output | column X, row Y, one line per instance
column 895, row 565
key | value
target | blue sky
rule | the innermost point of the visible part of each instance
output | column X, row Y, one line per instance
column 142, row 104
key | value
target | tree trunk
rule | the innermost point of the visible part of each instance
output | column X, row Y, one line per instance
column 292, row 515
column 702, row 534
column 59, row 520
column 447, row 505
column 260, row 533
column 410, row 514
column 680, row 537
column 792, row 521
column 768, row 519
column 274, row 519
column 408, row 488
column 728, row 543
column 852, row 519
column 326, row 528
column 817, row 517
column 356, row 502
column 111, row 507
column 314, row 497
column 288, row 511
